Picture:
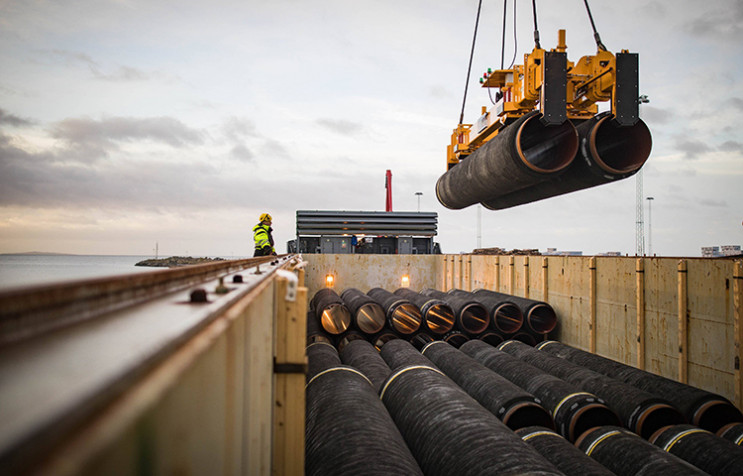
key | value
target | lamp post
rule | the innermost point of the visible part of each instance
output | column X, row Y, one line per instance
column 650, row 225
column 419, row 199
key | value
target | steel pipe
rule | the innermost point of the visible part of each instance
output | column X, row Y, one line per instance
column 574, row 411
column 732, row 432
column 402, row 315
column 455, row 338
column 626, row 454
column 701, row 408
column 420, row 339
column 640, row 411
column 524, row 153
column 446, row 429
column 380, row 338
column 505, row 316
column 348, row 337
column 368, row 316
column 321, row 356
column 362, row 355
column 515, row 407
column 438, row 316
column 708, row 452
column 539, row 315
column 330, row 310
column 491, row 338
column 560, row 452
column 607, row 153
column 315, row 333
column 471, row 316
column 524, row 337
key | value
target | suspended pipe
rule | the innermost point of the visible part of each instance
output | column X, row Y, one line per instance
column 315, row 333
column 524, row 153
column 333, row 315
column 402, row 315
column 448, row 431
column 438, row 316
column 515, row 407
column 732, row 432
column 640, row 411
column 626, row 454
column 455, row 338
column 574, row 411
column 471, row 316
column 701, row 408
column 707, row 451
column 607, row 153
column 368, row 316
column 505, row 316
column 363, row 356
column 348, row 430
column 539, row 315
column 560, row 452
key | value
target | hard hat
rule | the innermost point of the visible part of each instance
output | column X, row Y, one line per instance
column 265, row 217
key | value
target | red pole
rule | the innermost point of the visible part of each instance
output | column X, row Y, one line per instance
column 388, row 186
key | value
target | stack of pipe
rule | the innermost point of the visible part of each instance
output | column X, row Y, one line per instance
column 538, row 316
column 331, row 312
column 471, row 316
column 560, row 452
column 708, row 452
column 403, row 316
column 438, row 316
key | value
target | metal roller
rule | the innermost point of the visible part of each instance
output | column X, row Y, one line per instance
column 608, row 152
column 402, row 315
column 330, row 310
column 505, row 316
column 368, row 316
column 560, row 452
column 708, row 452
column 438, row 316
column 524, row 153
column 471, row 316
column 539, row 315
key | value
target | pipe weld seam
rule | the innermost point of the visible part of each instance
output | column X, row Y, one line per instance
column 539, row 433
column 562, row 402
column 347, row 369
column 425, row 347
column 402, row 371
column 599, row 440
column 681, row 435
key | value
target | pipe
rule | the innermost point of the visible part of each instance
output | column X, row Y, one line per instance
column 560, row 452
column 515, row 407
column 524, row 337
column 333, row 315
column 362, row 355
column 640, row 411
column 402, row 315
column 348, row 337
column 438, row 316
column 608, row 153
column 455, row 338
column 626, row 454
column 539, row 315
column 347, row 428
column 420, row 339
column 380, row 338
column 708, row 452
column 491, row 338
column 732, row 432
column 399, row 353
column 368, row 316
column 448, row 431
column 522, row 154
column 505, row 316
column 701, row 408
column 471, row 316
column 573, row 410
column 315, row 333
column 320, row 356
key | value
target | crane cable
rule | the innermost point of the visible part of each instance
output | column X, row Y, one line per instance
column 469, row 68
column 536, row 29
column 596, row 36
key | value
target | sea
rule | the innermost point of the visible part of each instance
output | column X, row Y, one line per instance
column 23, row 270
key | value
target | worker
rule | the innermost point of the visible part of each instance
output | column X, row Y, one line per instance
column 262, row 236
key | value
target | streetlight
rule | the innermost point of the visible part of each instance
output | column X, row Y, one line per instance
column 650, row 225
column 419, row 200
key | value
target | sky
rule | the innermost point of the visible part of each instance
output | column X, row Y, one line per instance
column 129, row 123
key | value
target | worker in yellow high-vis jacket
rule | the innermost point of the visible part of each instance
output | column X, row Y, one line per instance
column 262, row 236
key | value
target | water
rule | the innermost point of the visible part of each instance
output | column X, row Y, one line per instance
column 28, row 270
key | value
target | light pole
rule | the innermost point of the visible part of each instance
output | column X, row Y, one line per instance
column 419, row 199
column 650, row 225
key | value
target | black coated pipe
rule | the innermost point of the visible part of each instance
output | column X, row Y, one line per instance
column 402, row 315
column 315, row 333
column 505, row 316
column 524, row 337
column 438, row 316
column 708, row 452
column 515, row 407
column 539, row 315
column 607, row 153
column 455, row 338
column 399, row 353
column 732, row 432
column 626, row 454
column 368, row 315
column 640, row 411
column 574, row 411
column 448, row 431
column 381, row 338
column 701, row 408
column 333, row 315
column 491, row 338
column 348, row 337
column 347, row 428
column 471, row 316
column 321, row 356
column 524, row 153
column 363, row 356
column 420, row 339
column 560, row 452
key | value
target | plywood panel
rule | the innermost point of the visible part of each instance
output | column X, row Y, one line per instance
column 661, row 316
column 569, row 288
column 615, row 309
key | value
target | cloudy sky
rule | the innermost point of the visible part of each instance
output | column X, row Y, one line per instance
column 126, row 123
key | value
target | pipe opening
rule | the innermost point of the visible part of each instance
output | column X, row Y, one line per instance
column 715, row 414
column 618, row 149
column 491, row 338
column 542, row 319
column 406, row 318
column 546, row 148
column 440, row 319
column 475, row 319
column 508, row 318
column 380, row 339
column 335, row 318
column 527, row 414
column 590, row 417
column 455, row 339
column 657, row 416
column 370, row 318
column 524, row 337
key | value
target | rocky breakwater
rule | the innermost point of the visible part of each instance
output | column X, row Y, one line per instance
column 176, row 261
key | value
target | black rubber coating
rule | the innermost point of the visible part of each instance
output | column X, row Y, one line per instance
column 708, row 452
column 363, row 356
column 348, row 337
column 560, row 452
column 732, row 432
column 315, row 333
column 321, row 356
column 455, row 338
column 380, row 338
column 368, row 316
column 330, row 311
